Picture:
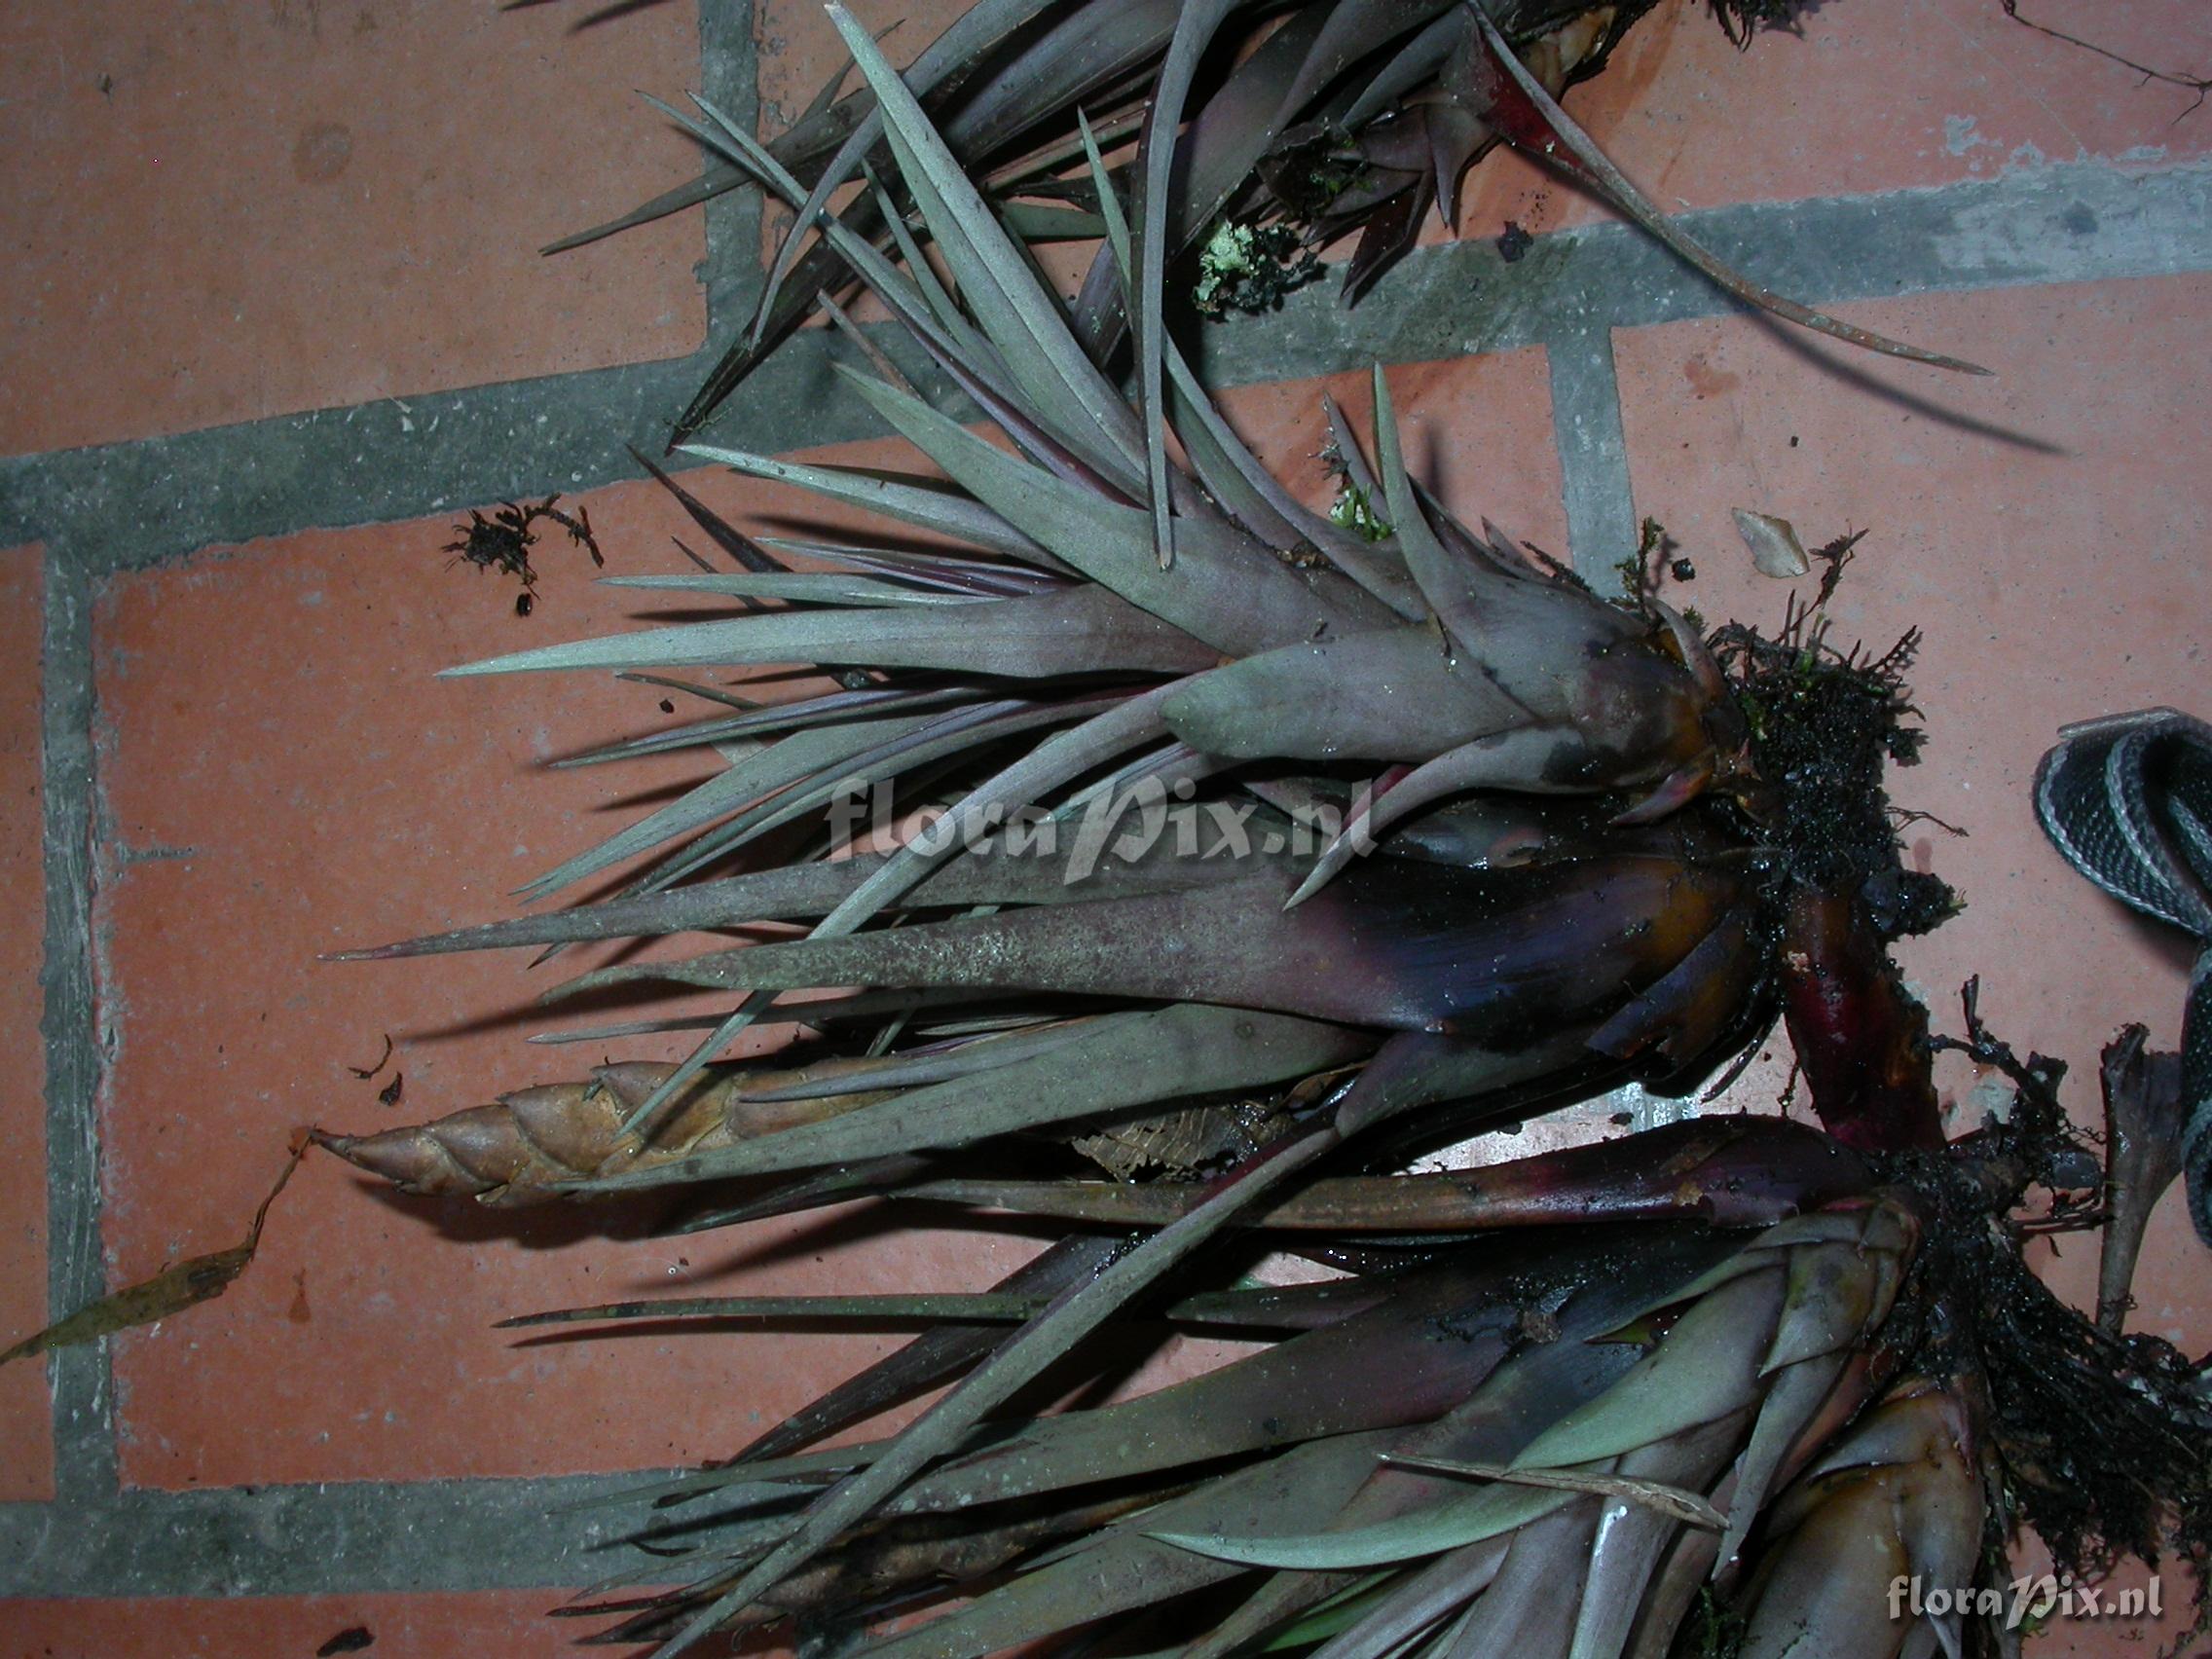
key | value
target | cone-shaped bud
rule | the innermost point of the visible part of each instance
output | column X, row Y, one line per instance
column 529, row 1145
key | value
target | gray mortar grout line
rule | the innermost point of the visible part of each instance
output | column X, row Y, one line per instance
column 81, row 1378
column 2064, row 224
column 2072, row 223
column 360, row 465
column 729, row 78
column 325, row 1539
column 1593, row 455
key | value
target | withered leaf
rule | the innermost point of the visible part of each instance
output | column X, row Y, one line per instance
column 176, row 1287
column 1774, row 544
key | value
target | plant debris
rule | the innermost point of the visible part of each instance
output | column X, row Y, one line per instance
column 1670, row 1500
column 1834, row 555
column 1825, row 727
column 390, row 1093
column 1740, row 20
column 2144, row 1137
column 365, row 1073
column 2198, row 84
column 351, row 1640
column 503, row 541
column 2104, row 1440
column 181, row 1285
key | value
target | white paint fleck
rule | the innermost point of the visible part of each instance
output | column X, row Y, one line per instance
column 1960, row 136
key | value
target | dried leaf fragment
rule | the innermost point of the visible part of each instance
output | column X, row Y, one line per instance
column 176, row 1287
column 1774, row 544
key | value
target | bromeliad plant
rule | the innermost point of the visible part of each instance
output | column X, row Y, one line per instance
column 1697, row 1364
column 1257, row 131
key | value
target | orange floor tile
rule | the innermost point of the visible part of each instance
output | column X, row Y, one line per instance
column 26, row 1437
column 245, row 212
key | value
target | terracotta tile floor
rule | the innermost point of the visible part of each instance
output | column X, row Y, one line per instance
column 26, row 1437
column 325, row 206
column 220, row 214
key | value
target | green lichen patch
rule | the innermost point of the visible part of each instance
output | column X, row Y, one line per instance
column 1351, row 510
column 1250, row 268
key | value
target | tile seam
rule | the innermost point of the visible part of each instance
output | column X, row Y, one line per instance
column 1593, row 455
column 729, row 78
column 81, row 1378
column 323, row 1538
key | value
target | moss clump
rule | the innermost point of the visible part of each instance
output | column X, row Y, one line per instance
column 1651, row 566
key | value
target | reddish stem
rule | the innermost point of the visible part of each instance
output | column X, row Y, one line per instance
column 1861, row 1040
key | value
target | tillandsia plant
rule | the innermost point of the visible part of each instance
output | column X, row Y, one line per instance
column 1254, row 131
column 1274, row 849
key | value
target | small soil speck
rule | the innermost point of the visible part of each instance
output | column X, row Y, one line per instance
column 322, row 150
